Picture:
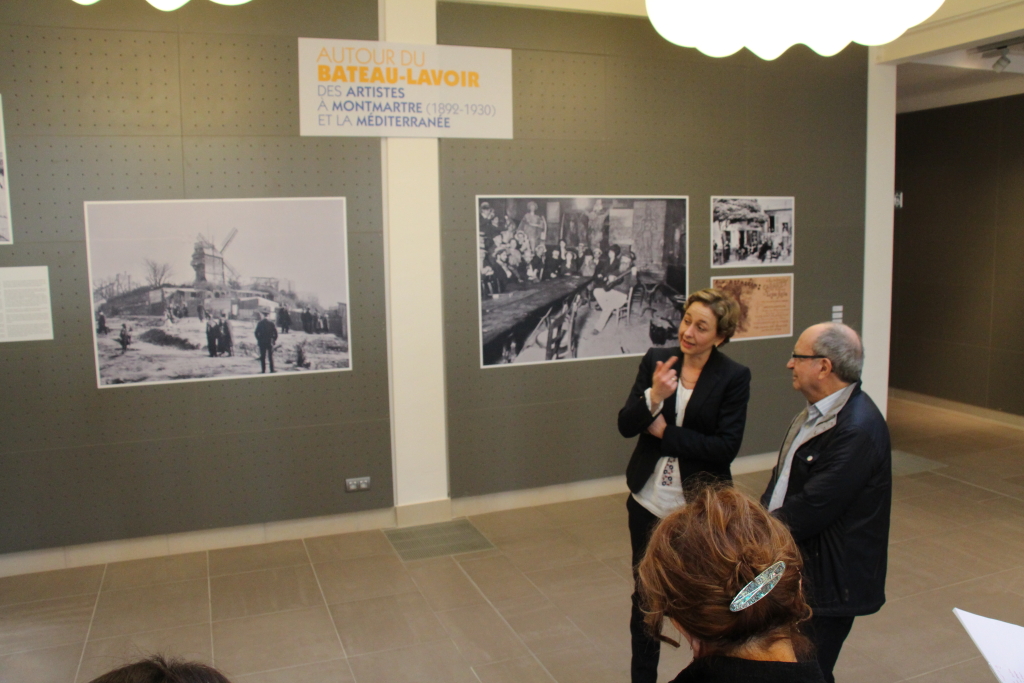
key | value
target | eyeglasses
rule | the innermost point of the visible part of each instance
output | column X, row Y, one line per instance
column 797, row 356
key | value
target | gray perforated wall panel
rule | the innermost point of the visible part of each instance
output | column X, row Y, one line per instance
column 603, row 105
column 122, row 101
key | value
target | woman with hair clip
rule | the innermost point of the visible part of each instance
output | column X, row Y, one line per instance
column 688, row 405
column 158, row 669
column 728, row 576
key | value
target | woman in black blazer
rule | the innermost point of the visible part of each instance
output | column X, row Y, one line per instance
column 689, row 407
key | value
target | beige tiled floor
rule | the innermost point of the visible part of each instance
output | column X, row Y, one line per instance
column 551, row 603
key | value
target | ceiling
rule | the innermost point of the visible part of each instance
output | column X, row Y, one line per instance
column 927, row 86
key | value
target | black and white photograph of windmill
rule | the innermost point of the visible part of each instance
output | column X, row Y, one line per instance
column 194, row 290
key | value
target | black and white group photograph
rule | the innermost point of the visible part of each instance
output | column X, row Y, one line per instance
column 6, row 236
column 751, row 231
column 573, row 278
column 192, row 290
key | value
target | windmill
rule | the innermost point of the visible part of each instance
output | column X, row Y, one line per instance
column 208, row 261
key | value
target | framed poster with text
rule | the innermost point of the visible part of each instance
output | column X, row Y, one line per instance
column 766, row 304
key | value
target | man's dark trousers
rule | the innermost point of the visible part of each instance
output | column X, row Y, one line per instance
column 828, row 635
column 646, row 650
column 265, row 353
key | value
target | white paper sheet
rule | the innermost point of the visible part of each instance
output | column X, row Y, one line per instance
column 1000, row 643
column 25, row 304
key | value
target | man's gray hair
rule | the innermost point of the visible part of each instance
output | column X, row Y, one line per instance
column 841, row 345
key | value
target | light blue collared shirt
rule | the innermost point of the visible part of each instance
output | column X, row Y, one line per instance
column 815, row 411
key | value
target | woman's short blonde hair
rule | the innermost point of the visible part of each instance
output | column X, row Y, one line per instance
column 723, row 305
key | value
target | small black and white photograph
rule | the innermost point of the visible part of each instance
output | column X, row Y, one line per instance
column 6, row 235
column 194, row 290
column 575, row 278
column 751, row 231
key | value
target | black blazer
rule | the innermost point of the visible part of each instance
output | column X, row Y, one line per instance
column 837, row 507
column 712, row 427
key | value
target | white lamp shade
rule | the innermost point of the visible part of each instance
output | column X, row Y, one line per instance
column 718, row 28
column 86, row 2
column 167, row 5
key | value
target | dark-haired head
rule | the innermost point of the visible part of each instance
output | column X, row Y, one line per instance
column 701, row 556
column 157, row 669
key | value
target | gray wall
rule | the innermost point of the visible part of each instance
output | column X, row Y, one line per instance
column 121, row 101
column 603, row 105
column 958, row 290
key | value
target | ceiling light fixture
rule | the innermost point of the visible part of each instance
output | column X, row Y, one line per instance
column 719, row 28
column 167, row 5
column 170, row 5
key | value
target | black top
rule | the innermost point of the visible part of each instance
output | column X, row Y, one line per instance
column 713, row 423
column 734, row 670
column 837, row 506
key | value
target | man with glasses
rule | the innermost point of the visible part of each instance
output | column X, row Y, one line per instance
column 832, row 486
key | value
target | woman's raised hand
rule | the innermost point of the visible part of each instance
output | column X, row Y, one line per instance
column 664, row 381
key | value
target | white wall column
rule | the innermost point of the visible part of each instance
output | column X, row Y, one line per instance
column 412, row 253
column 880, row 183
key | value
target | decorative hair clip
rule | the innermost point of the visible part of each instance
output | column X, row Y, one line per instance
column 761, row 586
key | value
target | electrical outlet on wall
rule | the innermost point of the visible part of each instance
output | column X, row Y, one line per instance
column 837, row 314
column 357, row 484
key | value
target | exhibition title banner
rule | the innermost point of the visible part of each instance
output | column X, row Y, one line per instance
column 367, row 88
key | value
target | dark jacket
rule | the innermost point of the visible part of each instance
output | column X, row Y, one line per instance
column 734, row 670
column 712, row 427
column 266, row 333
column 837, row 506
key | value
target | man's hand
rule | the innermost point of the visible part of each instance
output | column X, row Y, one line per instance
column 664, row 381
column 657, row 427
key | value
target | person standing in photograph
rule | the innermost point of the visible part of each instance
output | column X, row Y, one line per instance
column 832, row 486
column 227, row 337
column 284, row 320
column 212, row 334
column 489, row 228
column 688, row 405
column 614, row 292
column 266, row 335
column 124, row 337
